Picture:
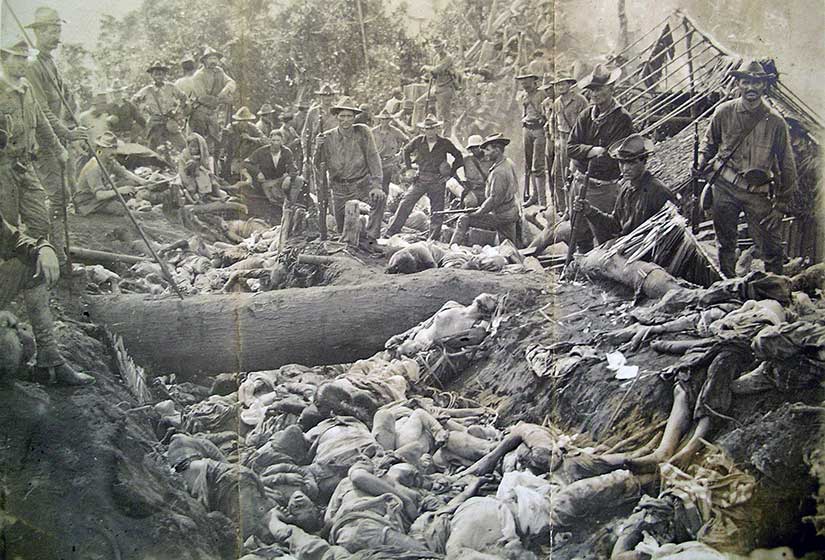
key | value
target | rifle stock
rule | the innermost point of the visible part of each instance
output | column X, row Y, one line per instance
column 574, row 218
column 323, row 200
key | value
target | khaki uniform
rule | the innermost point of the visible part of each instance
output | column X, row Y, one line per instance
column 160, row 104
column 210, row 89
column 23, row 205
column 566, row 110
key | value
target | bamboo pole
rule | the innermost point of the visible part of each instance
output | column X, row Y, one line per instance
column 626, row 78
column 363, row 36
column 660, row 80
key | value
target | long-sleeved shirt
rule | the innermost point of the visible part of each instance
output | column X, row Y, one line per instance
column 317, row 121
column 44, row 75
column 29, row 131
column 159, row 101
column 501, row 190
column 90, row 181
column 128, row 115
column 211, row 87
column 429, row 161
column 531, row 104
column 476, row 171
column 351, row 156
column 566, row 110
column 594, row 129
column 767, row 147
column 442, row 72
column 635, row 203
column 262, row 161
column 13, row 244
column 389, row 141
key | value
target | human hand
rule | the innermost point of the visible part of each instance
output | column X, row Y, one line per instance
column 127, row 190
column 377, row 196
column 597, row 151
column 80, row 133
column 774, row 218
column 581, row 206
column 319, row 141
column 47, row 267
column 260, row 177
column 292, row 479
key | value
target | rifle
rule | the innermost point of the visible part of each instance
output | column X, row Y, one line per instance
column 696, row 186
column 454, row 211
column 427, row 100
column 323, row 201
column 65, row 204
column 574, row 218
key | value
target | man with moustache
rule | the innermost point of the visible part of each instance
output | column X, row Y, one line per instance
column 211, row 87
column 567, row 106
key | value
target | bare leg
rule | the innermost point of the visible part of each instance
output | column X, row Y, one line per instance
column 488, row 463
column 693, row 445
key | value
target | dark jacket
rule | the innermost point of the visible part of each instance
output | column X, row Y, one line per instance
column 261, row 162
column 591, row 130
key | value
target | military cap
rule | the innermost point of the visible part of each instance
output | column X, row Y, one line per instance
column 564, row 76
column 383, row 114
column 600, row 76
column 209, row 51
column 107, row 140
column 18, row 48
column 630, row 148
column 345, row 104
column 268, row 109
column 497, row 138
column 243, row 114
column 326, row 89
column 527, row 74
column 430, row 122
column 474, row 141
column 45, row 16
column 157, row 65
column 752, row 69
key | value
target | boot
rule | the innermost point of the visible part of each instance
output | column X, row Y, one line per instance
column 50, row 364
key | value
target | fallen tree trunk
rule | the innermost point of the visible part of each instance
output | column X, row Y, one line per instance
column 90, row 256
column 210, row 334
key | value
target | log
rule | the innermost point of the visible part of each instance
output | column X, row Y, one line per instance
column 216, row 333
column 90, row 256
column 286, row 225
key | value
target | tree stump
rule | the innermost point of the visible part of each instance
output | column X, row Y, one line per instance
column 352, row 224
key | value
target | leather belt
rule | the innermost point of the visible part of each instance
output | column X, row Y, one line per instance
column 733, row 178
column 350, row 181
column 593, row 181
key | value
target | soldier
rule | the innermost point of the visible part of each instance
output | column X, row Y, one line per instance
column 184, row 83
column 161, row 101
column 430, row 150
column 300, row 116
column 476, row 170
column 241, row 138
column 389, row 141
column 567, row 106
column 351, row 159
column 319, row 119
column 276, row 175
column 51, row 92
column 404, row 118
column 393, row 104
column 596, row 128
column 641, row 194
column 292, row 139
column 749, row 149
column 211, row 88
column 500, row 209
column 97, row 119
column 532, row 121
column 444, row 82
column 127, row 123
column 94, row 195
column 29, row 266
column 269, row 118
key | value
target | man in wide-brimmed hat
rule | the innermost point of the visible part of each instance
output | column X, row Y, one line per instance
column 444, row 83
column 240, row 139
column 23, row 203
column 94, row 195
column 187, row 68
column 211, row 88
column 49, row 86
column 429, row 152
column 161, row 102
column 500, row 209
column 533, row 119
column 641, row 194
column 567, row 106
column 269, row 118
column 476, row 170
column 760, row 141
column 96, row 119
column 389, row 140
column 595, row 129
column 318, row 119
column 348, row 155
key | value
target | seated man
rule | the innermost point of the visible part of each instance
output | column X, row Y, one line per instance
column 94, row 195
column 240, row 139
column 193, row 169
column 452, row 321
column 30, row 266
column 97, row 118
column 275, row 176
column 641, row 195
column 476, row 171
column 500, row 209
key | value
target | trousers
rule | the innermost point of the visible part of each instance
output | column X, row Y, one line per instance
column 601, row 196
column 505, row 226
column 342, row 193
column 435, row 191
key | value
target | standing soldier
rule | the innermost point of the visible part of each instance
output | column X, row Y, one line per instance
column 567, row 106
column 389, row 141
column 27, row 133
column 161, row 101
column 211, row 88
column 748, row 147
column 532, row 121
column 404, row 118
column 187, row 66
column 51, row 92
column 476, row 170
column 300, row 116
column 320, row 118
column 292, row 138
column 444, row 83
column 349, row 155
column 430, row 150
column 596, row 128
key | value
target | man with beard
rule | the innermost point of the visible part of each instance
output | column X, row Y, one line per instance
column 748, row 147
